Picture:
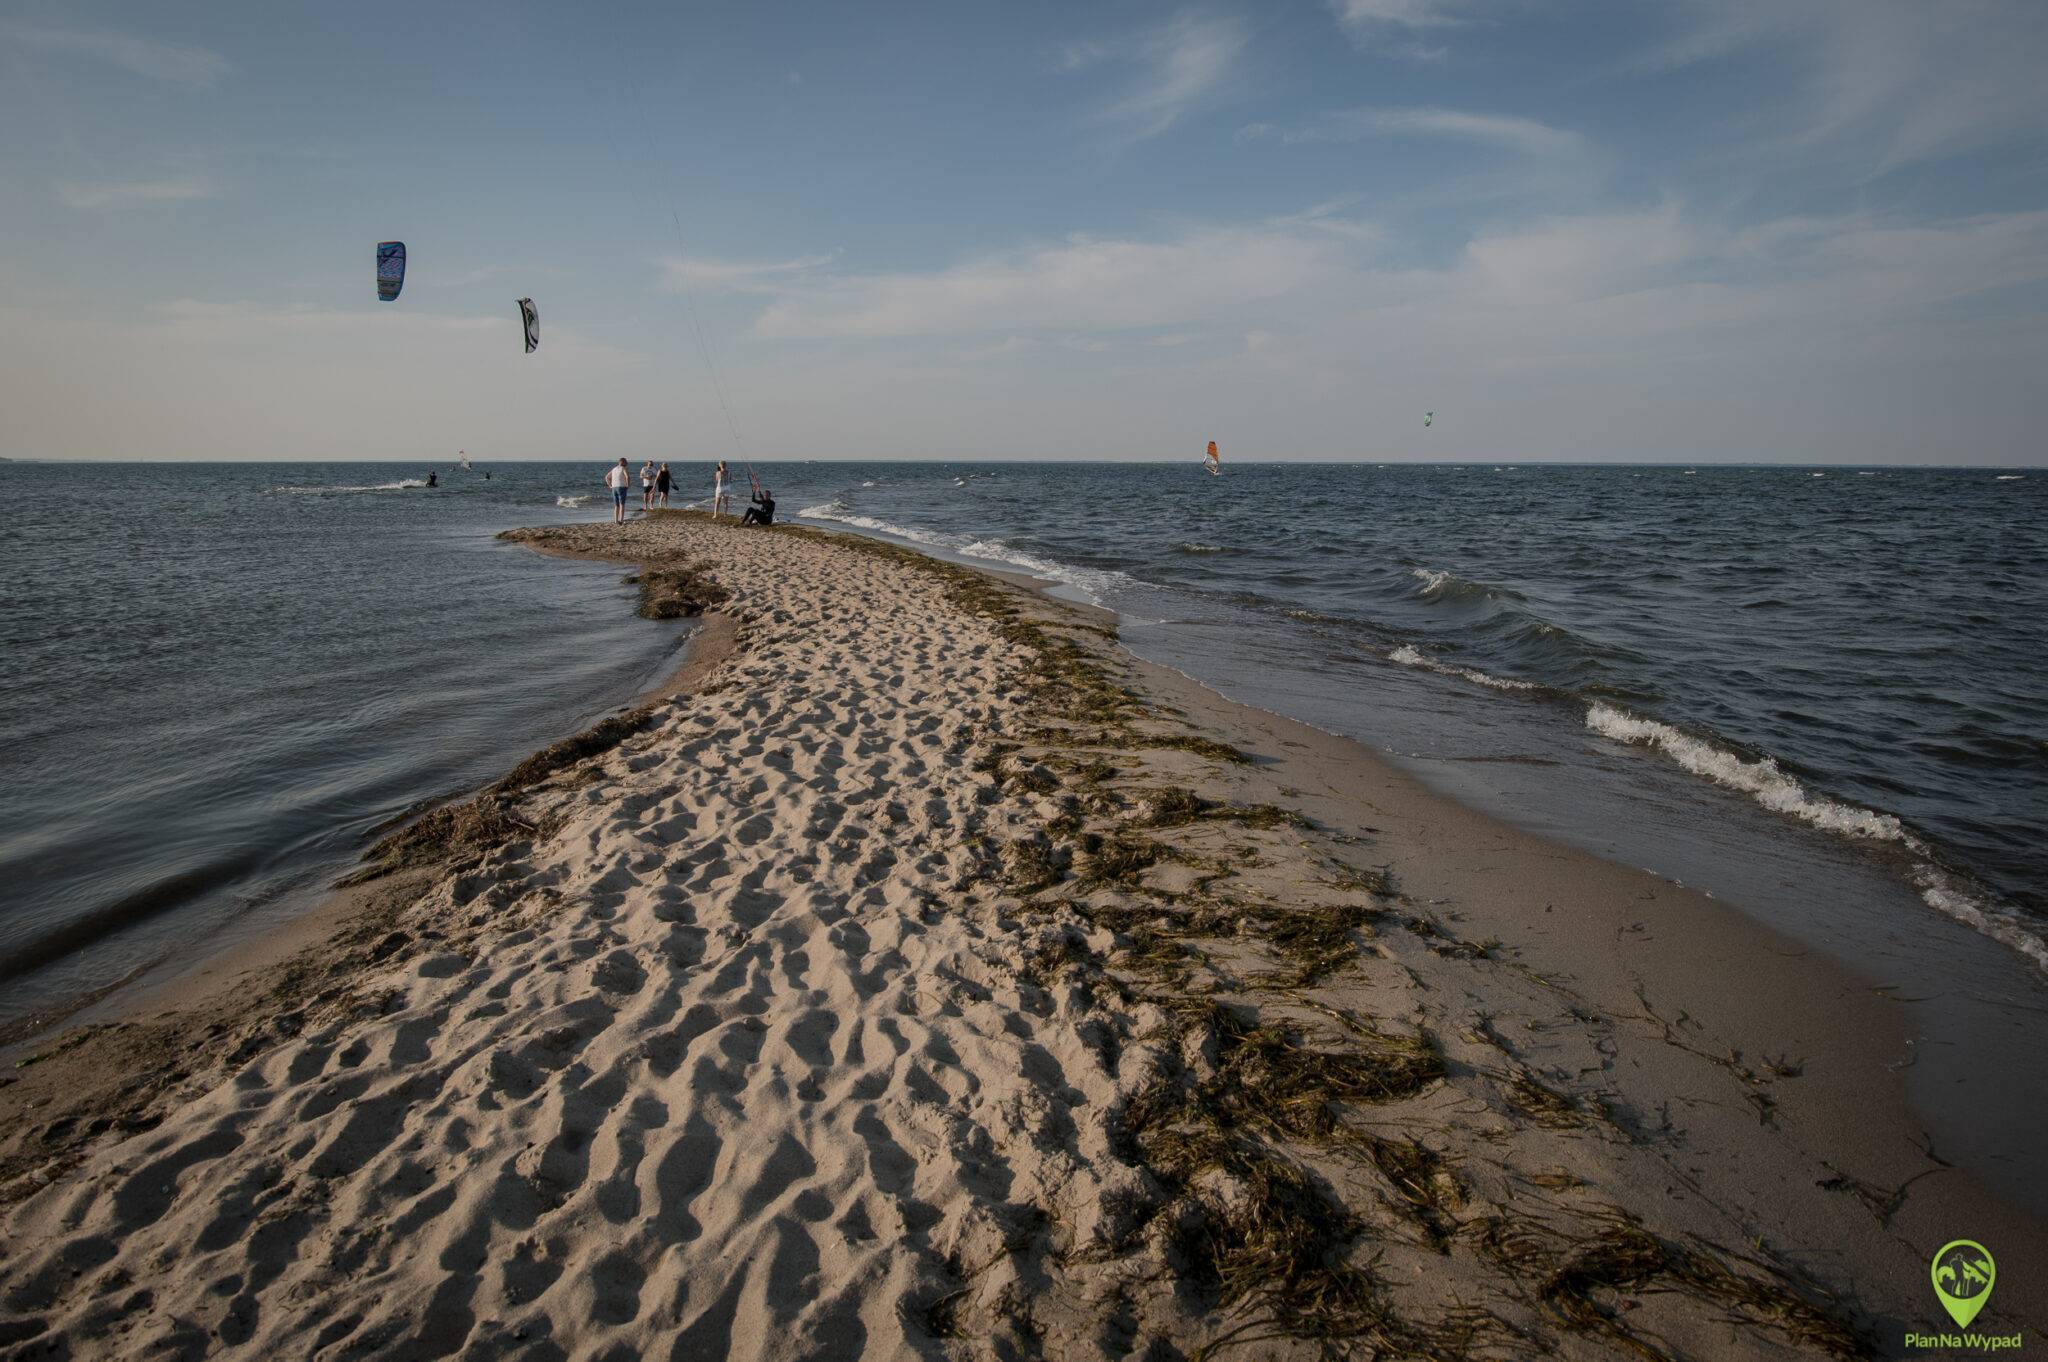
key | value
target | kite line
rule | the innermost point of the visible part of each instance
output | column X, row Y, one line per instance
column 710, row 364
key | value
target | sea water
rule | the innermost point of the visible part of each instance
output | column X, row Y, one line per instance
column 218, row 680
column 1859, row 654
column 1814, row 692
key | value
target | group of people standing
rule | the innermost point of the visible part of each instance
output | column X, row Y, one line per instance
column 656, row 481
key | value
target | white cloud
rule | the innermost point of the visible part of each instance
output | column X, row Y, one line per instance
column 1577, row 259
column 1183, row 66
column 1361, row 15
column 1658, row 333
column 1891, row 82
column 1526, row 135
column 1397, row 26
column 179, row 62
column 92, row 194
column 1082, row 283
column 690, row 271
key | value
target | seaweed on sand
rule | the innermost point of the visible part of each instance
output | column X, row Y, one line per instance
column 599, row 738
column 1032, row 863
column 1252, row 1226
column 1118, row 859
column 462, row 831
column 678, row 591
column 465, row 830
column 1316, row 941
column 1571, row 1274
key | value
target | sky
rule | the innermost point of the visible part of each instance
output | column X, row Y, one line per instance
column 1745, row 230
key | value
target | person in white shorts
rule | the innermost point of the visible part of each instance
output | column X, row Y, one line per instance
column 718, row 504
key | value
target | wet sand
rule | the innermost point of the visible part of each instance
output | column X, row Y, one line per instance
column 922, row 975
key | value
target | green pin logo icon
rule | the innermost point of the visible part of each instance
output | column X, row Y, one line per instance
column 1963, row 1274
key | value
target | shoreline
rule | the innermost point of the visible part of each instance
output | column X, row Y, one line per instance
column 1492, row 1017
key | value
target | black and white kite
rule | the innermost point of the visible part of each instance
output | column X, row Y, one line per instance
column 532, row 320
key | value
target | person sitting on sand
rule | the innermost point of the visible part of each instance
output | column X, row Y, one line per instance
column 661, row 482
column 762, row 512
column 618, row 479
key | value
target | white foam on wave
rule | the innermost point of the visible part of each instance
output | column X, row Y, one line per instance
column 1760, row 779
column 836, row 510
column 1190, row 546
column 1940, row 893
column 572, row 501
column 869, row 483
column 2011, row 477
column 1409, row 656
column 398, row 486
column 1764, row 782
column 1431, row 579
column 1090, row 581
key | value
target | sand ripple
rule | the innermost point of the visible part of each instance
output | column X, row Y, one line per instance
column 724, row 1067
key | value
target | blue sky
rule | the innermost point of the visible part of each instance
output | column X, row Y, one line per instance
column 1695, row 229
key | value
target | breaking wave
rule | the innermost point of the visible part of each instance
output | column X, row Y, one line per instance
column 399, row 486
column 1092, row 582
column 836, row 510
column 1760, row 779
column 1409, row 656
column 572, row 501
column 1763, row 780
column 1439, row 586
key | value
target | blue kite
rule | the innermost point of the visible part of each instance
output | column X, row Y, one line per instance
column 390, row 269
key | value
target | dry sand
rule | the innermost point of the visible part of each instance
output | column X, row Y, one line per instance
column 925, row 977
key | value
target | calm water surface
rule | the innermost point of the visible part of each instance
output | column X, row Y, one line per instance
column 217, row 680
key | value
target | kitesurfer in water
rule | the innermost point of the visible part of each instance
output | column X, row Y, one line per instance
column 762, row 512
column 618, row 478
column 433, row 479
column 661, row 484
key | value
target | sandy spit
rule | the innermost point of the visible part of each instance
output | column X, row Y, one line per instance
column 928, row 978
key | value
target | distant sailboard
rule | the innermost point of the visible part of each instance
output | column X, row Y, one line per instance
column 1427, row 417
column 390, row 269
column 1212, row 460
column 531, row 318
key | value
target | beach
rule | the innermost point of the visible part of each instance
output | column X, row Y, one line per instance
column 920, row 974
